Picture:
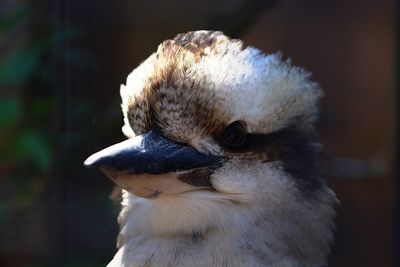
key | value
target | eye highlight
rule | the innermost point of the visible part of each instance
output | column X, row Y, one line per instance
column 234, row 135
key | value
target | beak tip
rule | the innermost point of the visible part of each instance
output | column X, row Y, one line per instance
column 91, row 162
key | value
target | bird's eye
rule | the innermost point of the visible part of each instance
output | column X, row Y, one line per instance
column 234, row 135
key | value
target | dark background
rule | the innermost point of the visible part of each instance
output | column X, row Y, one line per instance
column 61, row 64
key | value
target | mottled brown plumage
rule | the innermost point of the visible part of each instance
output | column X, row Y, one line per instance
column 172, row 94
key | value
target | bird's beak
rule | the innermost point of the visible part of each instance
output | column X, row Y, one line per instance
column 151, row 160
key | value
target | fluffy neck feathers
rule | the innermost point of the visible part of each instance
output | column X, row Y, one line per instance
column 231, row 234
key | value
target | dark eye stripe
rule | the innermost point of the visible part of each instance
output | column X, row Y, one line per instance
column 296, row 150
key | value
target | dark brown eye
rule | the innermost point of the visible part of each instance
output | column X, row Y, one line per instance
column 234, row 135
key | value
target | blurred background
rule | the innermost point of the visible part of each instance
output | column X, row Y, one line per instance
column 61, row 65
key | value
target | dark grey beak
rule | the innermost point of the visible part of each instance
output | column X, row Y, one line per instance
column 151, row 153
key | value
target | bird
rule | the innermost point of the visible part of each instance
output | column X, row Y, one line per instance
column 222, row 161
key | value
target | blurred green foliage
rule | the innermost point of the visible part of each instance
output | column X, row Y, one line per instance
column 42, row 124
column 10, row 111
column 18, row 67
column 26, row 105
column 24, row 108
column 21, row 138
column 11, row 19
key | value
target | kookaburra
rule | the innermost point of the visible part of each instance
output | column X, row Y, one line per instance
column 221, row 165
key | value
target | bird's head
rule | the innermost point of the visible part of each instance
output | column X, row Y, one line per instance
column 218, row 134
